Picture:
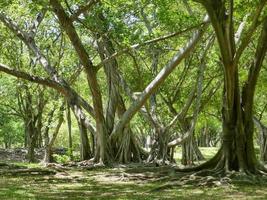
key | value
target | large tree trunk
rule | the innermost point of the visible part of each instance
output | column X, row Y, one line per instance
column 30, row 127
column 237, row 142
column 237, row 152
column 127, row 146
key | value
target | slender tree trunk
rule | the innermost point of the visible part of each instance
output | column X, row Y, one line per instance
column 190, row 150
column 48, row 158
column 31, row 141
column 262, row 137
column 48, row 154
column 68, row 117
column 85, row 151
column 160, row 153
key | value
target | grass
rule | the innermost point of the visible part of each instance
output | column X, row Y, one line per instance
column 208, row 152
column 108, row 184
column 120, row 183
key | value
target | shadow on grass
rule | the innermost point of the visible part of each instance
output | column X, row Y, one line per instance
column 125, row 183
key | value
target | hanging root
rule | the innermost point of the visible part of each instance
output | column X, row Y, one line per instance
column 129, row 149
column 159, row 155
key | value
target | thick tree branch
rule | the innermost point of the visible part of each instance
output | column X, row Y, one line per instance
column 31, row 78
column 36, row 23
column 82, row 9
column 247, row 38
column 159, row 39
column 29, row 41
column 159, row 79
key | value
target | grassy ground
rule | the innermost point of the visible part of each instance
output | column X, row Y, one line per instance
column 112, row 184
column 208, row 152
column 131, row 182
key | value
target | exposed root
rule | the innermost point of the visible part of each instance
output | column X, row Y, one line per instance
column 30, row 171
column 11, row 166
column 210, row 164
column 57, row 167
column 215, row 178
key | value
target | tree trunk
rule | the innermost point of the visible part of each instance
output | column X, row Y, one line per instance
column 48, row 153
column 48, row 148
column 31, row 141
column 68, row 116
column 48, row 158
column 127, row 146
column 103, row 150
column 160, row 153
column 237, row 152
column 263, row 145
column 190, row 150
column 85, row 151
column 262, row 137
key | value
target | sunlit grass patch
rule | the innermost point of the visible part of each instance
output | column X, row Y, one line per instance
column 122, row 182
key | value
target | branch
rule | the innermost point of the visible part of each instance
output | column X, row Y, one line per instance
column 70, row 30
column 184, row 110
column 82, row 9
column 250, row 85
column 29, row 41
column 159, row 79
column 247, row 38
column 31, row 78
column 199, row 91
column 36, row 23
column 137, row 46
column 240, row 29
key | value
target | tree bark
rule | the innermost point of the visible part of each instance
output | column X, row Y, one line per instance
column 105, row 154
column 262, row 137
column 237, row 152
column 159, row 79
column 68, row 117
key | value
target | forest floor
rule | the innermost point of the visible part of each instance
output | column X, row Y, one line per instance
column 121, row 182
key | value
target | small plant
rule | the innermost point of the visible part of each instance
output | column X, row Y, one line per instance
column 63, row 159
